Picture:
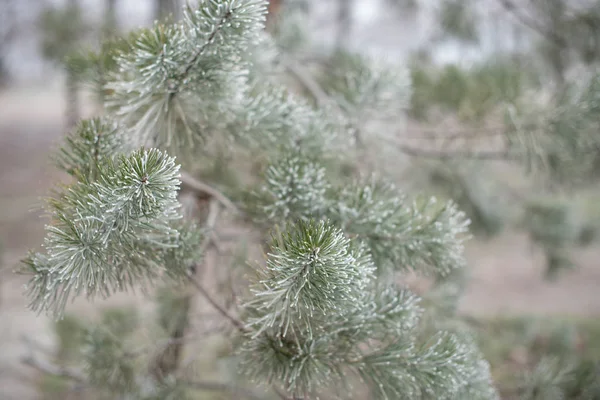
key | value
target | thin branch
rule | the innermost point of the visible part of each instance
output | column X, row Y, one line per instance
column 193, row 184
column 236, row 322
column 450, row 134
column 52, row 369
column 308, row 83
column 78, row 377
column 208, row 42
column 451, row 155
column 211, row 221
column 281, row 394
column 33, row 344
column 525, row 20
column 221, row 387
column 164, row 343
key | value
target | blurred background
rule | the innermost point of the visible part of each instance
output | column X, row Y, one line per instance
column 470, row 61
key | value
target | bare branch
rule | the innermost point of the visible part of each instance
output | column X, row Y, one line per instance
column 193, row 184
column 236, row 322
column 525, row 20
column 308, row 83
column 450, row 155
column 211, row 221
column 222, row 387
column 78, row 377
column 52, row 369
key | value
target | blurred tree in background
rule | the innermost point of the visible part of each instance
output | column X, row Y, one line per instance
column 8, row 29
column 63, row 31
column 166, row 9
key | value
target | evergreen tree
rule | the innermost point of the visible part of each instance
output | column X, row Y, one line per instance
column 323, row 315
column 8, row 29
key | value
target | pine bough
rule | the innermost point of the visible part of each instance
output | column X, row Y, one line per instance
column 323, row 311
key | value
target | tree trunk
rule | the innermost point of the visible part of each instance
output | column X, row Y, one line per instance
column 344, row 21
column 72, row 100
column 166, row 9
column 7, row 33
column 4, row 75
column 274, row 8
column 71, row 89
column 110, row 19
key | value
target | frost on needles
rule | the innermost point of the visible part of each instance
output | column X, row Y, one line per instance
column 114, row 228
column 324, row 310
column 318, row 317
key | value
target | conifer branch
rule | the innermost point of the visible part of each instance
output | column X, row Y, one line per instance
column 209, row 41
column 318, row 309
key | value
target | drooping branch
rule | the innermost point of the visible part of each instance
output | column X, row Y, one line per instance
column 54, row 370
column 234, row 321
column 222, row 387
column 307, row 81
column 452, row 155
column 78, row 377
column 203, row 189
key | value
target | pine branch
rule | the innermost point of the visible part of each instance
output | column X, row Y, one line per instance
column 209, row 41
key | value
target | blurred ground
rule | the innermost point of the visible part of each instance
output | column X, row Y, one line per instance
column 506, row 272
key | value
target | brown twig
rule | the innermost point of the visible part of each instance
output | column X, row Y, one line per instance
column 221, row 387
column 281, row 393
column 308, row 83
column 236, row 322
column 80, row 378
column 193, row 184
column 52, row 369
column 451, row 155
column 211, row 221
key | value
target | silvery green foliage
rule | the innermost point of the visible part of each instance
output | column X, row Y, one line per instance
column 547, row 379
column 319, row 314
column 401, row 234
column 176, row 77
column 318, row 317
column 106, row 362
column 276, row 119
column 422, row 235
column 116, row 227
column 312, row 270
column 95, row 141
column 561, row 140
column 295, row 188
column 367, row 87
